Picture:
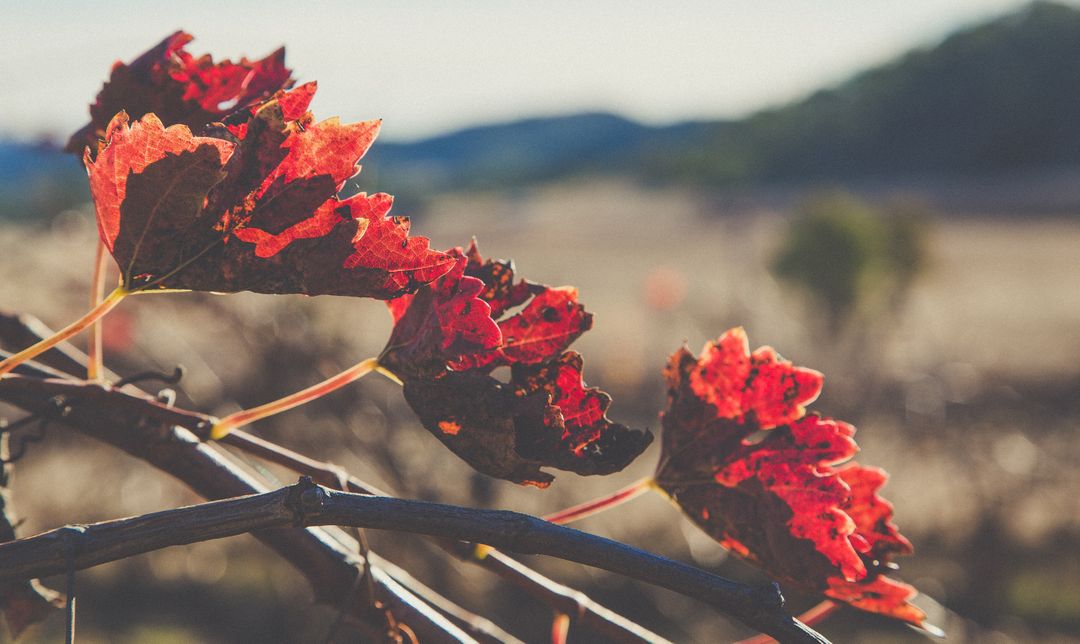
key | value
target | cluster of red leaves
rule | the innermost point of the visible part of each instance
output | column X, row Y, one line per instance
column 181, row 89
column 744, row 461
column 252, row 205
column 448, row 338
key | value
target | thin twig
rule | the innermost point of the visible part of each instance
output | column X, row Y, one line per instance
column 309, row 504
column 560, row 628
column 95, row 366
column 21, row 330
column 72, row 556
column 76, row 327
column 595, row 506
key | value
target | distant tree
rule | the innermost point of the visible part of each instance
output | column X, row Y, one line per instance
column 850, row 257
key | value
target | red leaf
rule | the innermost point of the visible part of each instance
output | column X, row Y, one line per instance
column 576, row 433
column 880, row 595
column 547, row 325
column 871, row 513
column 132, row 150
column 777, row 498
column 445, row 344
column 180, row 88
column 739, row 383
column 480, row 419
column 262, row 215
column 501, row 292
column 550, row 321
column 450, row 325
column 789, row 464
column 439, row 323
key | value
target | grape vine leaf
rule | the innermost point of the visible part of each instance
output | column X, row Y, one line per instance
column 580, row 438
column 445, row 344
column 746, row 463
column 180, row 88
column 252, row 205
column 438, row 323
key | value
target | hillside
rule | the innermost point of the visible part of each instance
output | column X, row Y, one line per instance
column 521, row 152
column 995, row 107
column 38, row 180
column 1001, row 97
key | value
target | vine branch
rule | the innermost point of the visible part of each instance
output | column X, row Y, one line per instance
column 560, row 598
column 308, row 504
column 326, row 556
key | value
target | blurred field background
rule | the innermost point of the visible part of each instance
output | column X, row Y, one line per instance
column 963, row 376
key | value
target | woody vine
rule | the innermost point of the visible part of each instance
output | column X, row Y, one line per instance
column 214, row 176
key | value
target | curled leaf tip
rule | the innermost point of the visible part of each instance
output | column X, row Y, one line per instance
column 181, row 88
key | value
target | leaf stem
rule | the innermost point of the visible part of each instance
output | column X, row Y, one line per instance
column 589, row 508
column 390, row 375
column 93, row 315
column 248, row 416
column 95, row 365
column 560, row 628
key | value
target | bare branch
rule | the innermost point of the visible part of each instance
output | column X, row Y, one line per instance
column 308, row 504
column 560, row 598
column 327, row 557
column 23, row 329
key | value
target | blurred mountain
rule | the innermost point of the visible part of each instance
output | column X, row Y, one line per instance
column 1003, row 96
column 38, row 180
column 1000, row 98
column 995, row 107
column 526, row 151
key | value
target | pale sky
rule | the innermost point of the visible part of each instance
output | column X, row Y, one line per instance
column 427, row 67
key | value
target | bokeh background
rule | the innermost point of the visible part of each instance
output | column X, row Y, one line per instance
column 889, row 194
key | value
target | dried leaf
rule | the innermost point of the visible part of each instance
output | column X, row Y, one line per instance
column 445, row 344
column 577, row 435
column 180, row 88
column 480, row 419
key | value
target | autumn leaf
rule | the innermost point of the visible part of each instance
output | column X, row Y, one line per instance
column 480, row 419
column 252, row 205
column 460, row 323
column 439, row 323
column 579, row 437
column 448, row 338
column 746, row 463
column 181, row 89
